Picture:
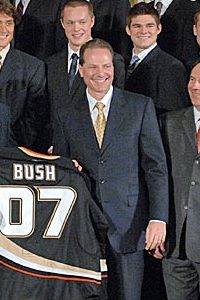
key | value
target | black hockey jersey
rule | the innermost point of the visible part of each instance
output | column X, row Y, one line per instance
column 52, row 234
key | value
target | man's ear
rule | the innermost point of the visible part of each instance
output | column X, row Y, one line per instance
column 93, row 21
column 159, row 28
column 128, row 30
column 61, row 21
column 80, row 70
column 195, row 30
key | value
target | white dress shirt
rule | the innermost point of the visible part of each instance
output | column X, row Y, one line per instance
column 196, row 118
column 143, row 54
column 4, row 52
column 106, row 100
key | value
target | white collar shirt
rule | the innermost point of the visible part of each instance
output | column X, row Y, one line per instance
column 106, row 100
column 143, row 54
column 196, row 118
column 4, row 52
column 70, row 52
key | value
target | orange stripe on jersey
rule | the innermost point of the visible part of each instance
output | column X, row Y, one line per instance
column 77, row 279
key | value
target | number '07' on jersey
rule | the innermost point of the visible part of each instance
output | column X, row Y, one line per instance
column 52, row 234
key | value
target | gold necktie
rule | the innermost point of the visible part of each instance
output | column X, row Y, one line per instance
column 100, row 123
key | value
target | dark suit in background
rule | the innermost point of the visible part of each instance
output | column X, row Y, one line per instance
column 176, row 36
column 58, row 79
column 131, row 143
column 182, row 264
column 161, row 77
column 39, row 32
column 22, row 88
column 179, row 135
column 110, row 23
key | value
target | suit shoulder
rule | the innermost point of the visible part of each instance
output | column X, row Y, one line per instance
column 117, row 57
column 168, row 58
column 175, row 115
column 131, row 97
column 57, row 57
column 26, row 56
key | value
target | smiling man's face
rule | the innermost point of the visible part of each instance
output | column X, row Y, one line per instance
column 143, row 31
column 7, row 26
column 194, row 86
column 97, row 71
column 77, row 24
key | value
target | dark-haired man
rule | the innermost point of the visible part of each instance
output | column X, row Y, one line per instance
column 156, row 73
column 22, row 86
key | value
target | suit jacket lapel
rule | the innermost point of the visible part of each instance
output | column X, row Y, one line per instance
column 172, row 8
column 145, row 61
column 78, row 86
column 33, row 5
column 189, row 126
column 84, row 119
column 62, row 66
column 116, row 117
column 11, row 64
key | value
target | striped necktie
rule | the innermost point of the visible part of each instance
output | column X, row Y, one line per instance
column 19, row 11
column 159, row 6
column 132, row 66
column 72, row 70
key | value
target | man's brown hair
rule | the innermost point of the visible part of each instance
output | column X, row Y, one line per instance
column 94, row 44
column 140, row 9
column 7, row 8
column 77, row 3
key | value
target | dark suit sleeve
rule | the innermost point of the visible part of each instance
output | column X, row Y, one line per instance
column 154, row 165
column 60, row 145
column 30, row 128
column 119, row 71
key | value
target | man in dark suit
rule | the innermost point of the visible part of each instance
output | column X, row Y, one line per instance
column 157, row 74
column 110, row 23
column 77, row 20
column 22, row 85
column 120, row 163
column 176, row 37
column 181, row 137
column 38, row 31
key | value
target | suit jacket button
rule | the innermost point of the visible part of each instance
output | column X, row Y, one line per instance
column 196, row 162
column 193, row 182
column 185, row 207
column 102, row 181
column 101, row 161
